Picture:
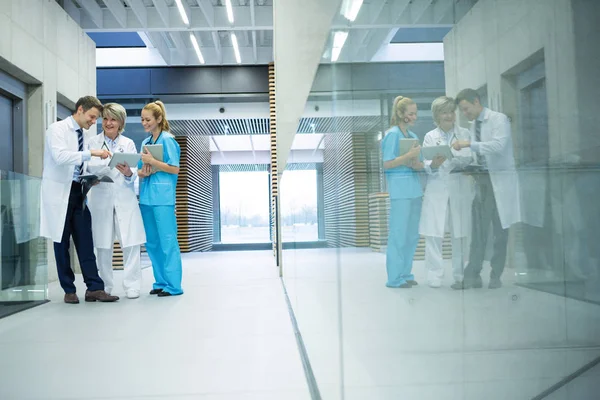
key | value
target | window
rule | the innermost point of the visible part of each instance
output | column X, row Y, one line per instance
column 299, row 221
column 244, row 198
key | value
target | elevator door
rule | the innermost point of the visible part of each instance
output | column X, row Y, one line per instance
column 6, row 134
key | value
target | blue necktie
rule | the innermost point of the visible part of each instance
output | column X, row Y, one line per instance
column 478, row 139
column 80, row 140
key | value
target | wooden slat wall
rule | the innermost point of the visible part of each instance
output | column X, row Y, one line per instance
column 194, row 194
column 379, row 209
column 346, row 190
column 200, row 199
column 181, row 197
column 274, row 169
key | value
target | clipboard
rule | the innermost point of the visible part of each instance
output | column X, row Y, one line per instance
column 430, row 152
column 88, row 181
column 407, row 144
column 131, row 159
column 156, row 150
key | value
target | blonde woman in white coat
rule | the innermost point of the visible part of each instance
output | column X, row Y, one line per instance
column 114, row 206
column 448, row 196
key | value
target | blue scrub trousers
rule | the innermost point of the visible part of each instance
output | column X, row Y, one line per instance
column 402, row 240
column 160, row 224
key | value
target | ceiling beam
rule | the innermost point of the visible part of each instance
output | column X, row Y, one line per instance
column 358, row 37
column 163, row 18
column 253, row 22
column 217, row 42
column 159, row 43
column 163, row 12
column 139, row 10
column 418, row 9
column 207, row 10
column 376, row 38
column 442, row 8
column 73, row 11
column 94, row 12
column 178, row 40
column 117, row 9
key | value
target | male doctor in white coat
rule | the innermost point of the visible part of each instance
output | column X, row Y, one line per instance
column 114, row 206
column 496, row 188
column 63, row 213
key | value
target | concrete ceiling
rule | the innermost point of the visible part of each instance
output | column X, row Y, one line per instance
column 160, row 25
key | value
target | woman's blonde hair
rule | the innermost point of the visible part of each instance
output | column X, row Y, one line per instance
column 116, row 111
column 399, row 108
column 157, row 108
column 441, row 105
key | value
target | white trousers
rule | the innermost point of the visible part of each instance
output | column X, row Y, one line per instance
column 132, row 279
column 434, row 260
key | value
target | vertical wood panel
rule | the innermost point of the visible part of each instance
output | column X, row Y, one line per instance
column 274, row 169
column 345, row 181
column 194, row 194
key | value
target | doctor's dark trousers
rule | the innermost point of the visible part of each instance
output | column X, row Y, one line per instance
column 78, row 224
column 484, row 212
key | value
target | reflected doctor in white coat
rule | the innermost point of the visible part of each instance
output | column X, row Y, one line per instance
column 448, row 196
column 114, row 206
column 496, row 200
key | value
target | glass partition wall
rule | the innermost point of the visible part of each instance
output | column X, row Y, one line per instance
column 528, row 324
column 23, row 266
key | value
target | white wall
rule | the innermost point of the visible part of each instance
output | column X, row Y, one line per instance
column 495, row 36
column 42, row 46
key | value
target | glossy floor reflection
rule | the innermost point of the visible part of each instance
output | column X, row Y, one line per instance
column 228, row 337
column 424, row 343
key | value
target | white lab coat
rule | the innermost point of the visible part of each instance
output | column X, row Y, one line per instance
column 61, row 156
column 497, row 147
column 444, row 188
column 119, row 197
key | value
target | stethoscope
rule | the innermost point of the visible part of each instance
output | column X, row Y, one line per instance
column 150, row 139
column 453, row 138
column 119, row 149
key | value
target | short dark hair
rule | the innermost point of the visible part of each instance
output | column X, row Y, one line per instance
column 88, row 102
column 469, row 95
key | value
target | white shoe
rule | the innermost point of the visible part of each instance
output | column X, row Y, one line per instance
column 133, row 294
column 435, row 284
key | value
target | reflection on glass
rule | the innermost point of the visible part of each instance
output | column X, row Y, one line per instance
column 23, row 265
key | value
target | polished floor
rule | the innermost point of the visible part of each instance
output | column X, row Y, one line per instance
column 366, row 341
column 228, row 337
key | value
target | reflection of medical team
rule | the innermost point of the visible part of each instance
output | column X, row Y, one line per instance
column 405, row 193
column 448, row 196
column 114, row 205
column 157, row 201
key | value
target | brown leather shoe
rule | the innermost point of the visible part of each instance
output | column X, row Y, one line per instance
column 71, row 298
column 100, row 295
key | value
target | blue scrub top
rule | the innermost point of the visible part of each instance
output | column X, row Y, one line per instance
column 159, row 188
column 402, row 182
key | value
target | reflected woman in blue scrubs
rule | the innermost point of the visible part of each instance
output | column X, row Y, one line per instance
column 158, row 180
column 405, row 192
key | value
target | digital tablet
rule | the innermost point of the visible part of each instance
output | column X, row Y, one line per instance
column 431, row 152
column 157, row 152
column 131, row 159
column 407, row 144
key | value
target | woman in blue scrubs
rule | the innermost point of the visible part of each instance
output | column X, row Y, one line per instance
column 158, row 180
column 405, row 192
